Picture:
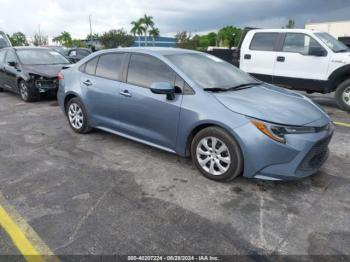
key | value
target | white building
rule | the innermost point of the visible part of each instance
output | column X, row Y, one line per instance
column 337, row 28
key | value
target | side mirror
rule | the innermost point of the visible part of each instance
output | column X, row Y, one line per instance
column 164, row 88
column 317, row 51
column 12, row 63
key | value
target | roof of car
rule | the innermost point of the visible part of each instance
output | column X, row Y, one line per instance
column 152, row 50
column 27, row 48
column 285, row 30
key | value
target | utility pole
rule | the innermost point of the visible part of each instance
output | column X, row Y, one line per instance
column 90, row 26
column 40, row 43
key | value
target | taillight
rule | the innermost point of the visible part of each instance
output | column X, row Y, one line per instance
column 60, row 76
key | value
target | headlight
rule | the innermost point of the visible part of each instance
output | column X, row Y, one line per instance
column 277, row 132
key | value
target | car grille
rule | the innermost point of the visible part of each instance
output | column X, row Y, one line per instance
column 316, row 156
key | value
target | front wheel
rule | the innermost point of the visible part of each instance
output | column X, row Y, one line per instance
column 342, row 95
column 216, row 154
column 77, row 117
column 26, row 93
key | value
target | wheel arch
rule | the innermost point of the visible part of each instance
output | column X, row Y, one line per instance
column 338, row 76
column 68, row 97
column 204, row 125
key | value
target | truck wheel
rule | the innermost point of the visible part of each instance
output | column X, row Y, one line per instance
column 342, row 95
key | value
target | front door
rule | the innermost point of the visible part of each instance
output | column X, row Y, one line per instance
column 10, row 74
column 295, row 65
column 143, row 114
column 2, row 67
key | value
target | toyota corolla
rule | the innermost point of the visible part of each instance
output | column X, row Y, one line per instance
column 198, row 106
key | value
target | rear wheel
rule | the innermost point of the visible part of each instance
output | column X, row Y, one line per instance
column 216, row 154
column 26, row 93
column 77, row 116
column 342, row 95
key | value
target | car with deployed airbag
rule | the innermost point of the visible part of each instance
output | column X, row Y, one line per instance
column 199, row 106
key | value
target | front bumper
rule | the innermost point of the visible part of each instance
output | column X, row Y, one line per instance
column 45, row 86
column 301, row 156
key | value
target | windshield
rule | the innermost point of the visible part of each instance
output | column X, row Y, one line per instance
column 210, row 72
column 332, row 43
column 4, row 42
column 41, row 57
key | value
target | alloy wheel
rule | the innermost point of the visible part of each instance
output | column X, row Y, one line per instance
column 24, row 91
column 346, row 95
column 75, row 115
column 213, row 156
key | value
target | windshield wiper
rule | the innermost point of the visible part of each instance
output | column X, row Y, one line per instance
column 342, row 50
column 215, row 89
column 238, row 87
column 242, row 86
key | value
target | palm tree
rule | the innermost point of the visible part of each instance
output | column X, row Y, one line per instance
column 154, row 32
column 137, row 29
column 147, row 22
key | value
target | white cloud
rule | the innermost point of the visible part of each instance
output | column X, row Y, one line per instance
column 55, row 16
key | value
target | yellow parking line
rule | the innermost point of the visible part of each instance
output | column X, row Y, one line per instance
column 20, row 232
column 341, row 124
column 17, row 236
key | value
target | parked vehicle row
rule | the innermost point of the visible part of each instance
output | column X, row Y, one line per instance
column 72, row 54
column 194, row 104
column 30, row 72
column 185, row 102
column 299, row 59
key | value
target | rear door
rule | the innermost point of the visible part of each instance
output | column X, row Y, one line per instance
column 296, row 68
column 258, row 54
column 101, row 81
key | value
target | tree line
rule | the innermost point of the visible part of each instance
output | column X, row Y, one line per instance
column 228, row 36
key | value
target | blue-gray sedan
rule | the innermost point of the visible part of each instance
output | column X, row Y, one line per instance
column 196, row 105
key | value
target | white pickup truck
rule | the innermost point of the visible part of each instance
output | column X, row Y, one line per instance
column 299, row 59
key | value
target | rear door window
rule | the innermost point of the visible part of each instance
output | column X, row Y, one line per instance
column 110, row 66
column 90, row 67
column 144, row 70
column 264, row 41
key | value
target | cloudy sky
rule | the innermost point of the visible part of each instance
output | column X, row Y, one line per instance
column 170, row 16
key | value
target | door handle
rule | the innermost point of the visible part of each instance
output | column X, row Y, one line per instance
column 87, row 83
column 125, row 93
column 247, row 56
column 281, row 58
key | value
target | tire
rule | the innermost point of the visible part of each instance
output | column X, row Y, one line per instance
column 1, row 89
column 26, row 93
column 342, row 95
column 77, row 116
column 208, row 161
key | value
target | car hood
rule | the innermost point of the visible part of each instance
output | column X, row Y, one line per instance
column 44, row 70
column 272, row 104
